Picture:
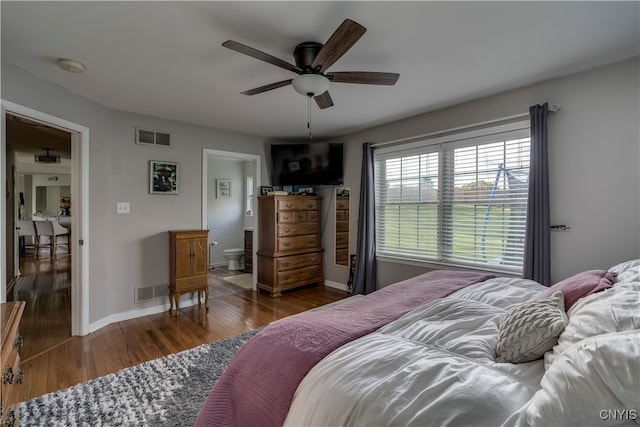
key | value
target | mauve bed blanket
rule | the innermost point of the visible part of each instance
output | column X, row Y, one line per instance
column 258, row 386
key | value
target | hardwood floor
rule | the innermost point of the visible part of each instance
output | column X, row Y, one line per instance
column 53, row 360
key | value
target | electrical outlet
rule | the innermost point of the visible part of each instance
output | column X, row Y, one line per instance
column 122, row 207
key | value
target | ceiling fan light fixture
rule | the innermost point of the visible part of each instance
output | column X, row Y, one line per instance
column 310, row 84
column 47, row 158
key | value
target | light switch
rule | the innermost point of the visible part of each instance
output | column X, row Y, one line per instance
column 122, row 207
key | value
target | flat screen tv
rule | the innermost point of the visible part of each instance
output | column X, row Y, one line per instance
column 318, row 163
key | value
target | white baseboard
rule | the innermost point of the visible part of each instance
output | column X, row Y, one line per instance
column 335, row 285
column 135, row 313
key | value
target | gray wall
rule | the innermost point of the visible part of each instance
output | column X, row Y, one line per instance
column 593, row 159
column 128, row 250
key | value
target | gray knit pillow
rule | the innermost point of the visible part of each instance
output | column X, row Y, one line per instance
column 529, row 330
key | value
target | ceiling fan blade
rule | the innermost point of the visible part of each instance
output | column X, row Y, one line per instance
column 364, row 77
column 347, row 34
column 324, row 100
column 267, row 87
column 254, row 53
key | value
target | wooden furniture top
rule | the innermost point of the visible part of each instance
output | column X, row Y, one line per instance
column 9, row 312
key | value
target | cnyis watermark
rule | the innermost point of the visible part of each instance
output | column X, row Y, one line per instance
column 619, row 414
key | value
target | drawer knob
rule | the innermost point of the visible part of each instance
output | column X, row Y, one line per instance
column 311, row 241
column 18, row 342
column 313, row 259
column 286, row 230
column 309, row 205
column 286, row 244
column 285, row 264
column 20, row 377
column 7, row 376
column 285, row 278
column 289, row 205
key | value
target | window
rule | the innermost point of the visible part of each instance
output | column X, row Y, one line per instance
column 458, row 200
column 249, row 200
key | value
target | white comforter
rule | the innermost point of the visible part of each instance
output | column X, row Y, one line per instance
column 432, row 367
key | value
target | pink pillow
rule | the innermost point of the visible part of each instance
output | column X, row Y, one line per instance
column 580, row 285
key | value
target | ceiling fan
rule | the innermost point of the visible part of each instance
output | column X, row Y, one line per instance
column 312, row 61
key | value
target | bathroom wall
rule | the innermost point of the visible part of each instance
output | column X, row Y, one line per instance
column 226, row 216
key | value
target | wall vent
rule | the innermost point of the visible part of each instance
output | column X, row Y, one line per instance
column 148, row 293
column 153, row 137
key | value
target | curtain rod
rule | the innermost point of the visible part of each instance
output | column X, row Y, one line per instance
column 552, row 108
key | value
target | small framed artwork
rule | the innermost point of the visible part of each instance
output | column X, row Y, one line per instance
column 223, row 188
column 265, row 190
column 163, row 177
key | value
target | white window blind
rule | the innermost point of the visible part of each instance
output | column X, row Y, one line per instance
column 457, row 200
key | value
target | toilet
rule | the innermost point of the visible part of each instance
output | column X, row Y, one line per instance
column 233, row 255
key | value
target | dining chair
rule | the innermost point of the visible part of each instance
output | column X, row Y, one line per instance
column 27, row 230
column 45, row 229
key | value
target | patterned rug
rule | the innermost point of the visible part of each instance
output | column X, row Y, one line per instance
column 168, row 391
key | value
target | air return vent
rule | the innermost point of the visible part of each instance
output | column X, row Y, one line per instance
column 153, row 137
column 148, row 293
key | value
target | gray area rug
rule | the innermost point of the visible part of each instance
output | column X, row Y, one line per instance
column 168, row 391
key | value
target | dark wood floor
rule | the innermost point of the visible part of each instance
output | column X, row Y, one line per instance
column 53, row 360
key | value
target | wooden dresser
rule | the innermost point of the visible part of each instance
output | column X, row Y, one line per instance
column 188, row 265
column 342, row 230
column 248, row 251
column 289, row 251
column 10, row 314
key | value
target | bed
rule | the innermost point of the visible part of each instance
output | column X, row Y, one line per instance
column 447, row 349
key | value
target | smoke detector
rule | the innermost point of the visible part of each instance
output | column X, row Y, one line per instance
column 71, row 65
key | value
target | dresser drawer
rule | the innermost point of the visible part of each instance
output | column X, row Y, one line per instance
column 342, row 204
column 298, row 204
column 342, row 240
column 342, row 215
column 298, row 261
column 295, row 243
column 297, row 229
column 342, row 256
column 342, row 226
column 305, row 274
column 288, row 217
column 190, row 283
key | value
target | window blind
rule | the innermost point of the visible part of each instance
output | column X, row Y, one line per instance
column 456, row 201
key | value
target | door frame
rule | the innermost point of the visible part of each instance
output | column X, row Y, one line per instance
column 79, row 221
column 256, row 158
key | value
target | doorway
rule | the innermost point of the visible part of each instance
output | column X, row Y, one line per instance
column 238, row 168
column 78, row 164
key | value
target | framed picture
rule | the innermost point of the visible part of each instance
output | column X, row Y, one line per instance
column 223, row 188
column 266, row 190
column 163, row 177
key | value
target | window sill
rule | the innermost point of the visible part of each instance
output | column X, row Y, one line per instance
column 433, row 265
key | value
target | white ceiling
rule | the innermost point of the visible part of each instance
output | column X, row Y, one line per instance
column 165, row 58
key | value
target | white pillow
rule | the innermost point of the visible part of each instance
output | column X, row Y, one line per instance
column 628, row 271
column 594, row 382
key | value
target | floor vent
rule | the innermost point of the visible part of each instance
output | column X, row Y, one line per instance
column 153, row 137
column 149, row 293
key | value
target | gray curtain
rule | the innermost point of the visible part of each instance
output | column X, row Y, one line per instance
column 537, row 265
column 365, row 274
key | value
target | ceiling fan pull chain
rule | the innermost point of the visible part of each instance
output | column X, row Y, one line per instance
column 309, row 115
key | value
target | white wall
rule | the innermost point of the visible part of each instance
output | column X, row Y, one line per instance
column 594, row 159
column 128, row 250
column 225, row 216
